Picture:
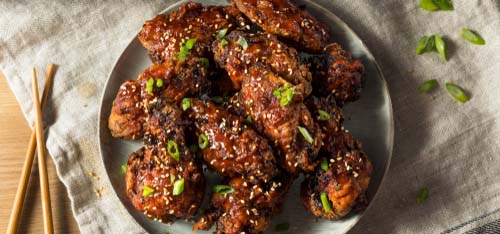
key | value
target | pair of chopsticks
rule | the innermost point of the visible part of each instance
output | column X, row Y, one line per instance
column 36, row 140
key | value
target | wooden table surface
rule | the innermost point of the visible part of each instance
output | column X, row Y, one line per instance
column 14, row 138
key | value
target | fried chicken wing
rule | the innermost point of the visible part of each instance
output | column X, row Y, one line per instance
column 263, row 48
column 286, row 20
column 248, row 209
column 172, row 81
column 348, row 171
column 163, row 35
column 278, row 112
column 154, row 170
column 233, row 148
column 336, row 73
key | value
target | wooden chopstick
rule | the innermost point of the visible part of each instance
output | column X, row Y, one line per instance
column 42, row 166
column 28, row 163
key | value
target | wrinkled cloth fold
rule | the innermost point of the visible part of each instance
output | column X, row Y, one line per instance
column 450, row 148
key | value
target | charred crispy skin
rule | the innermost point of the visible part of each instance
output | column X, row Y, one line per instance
column 234, row 148
column 349, row 169
column 131, row 105
column 161, row 36
column 280, row 123
column 336, row 73
column 265, row 49
column 127, row 116
column 286, row 20
column 248, row 209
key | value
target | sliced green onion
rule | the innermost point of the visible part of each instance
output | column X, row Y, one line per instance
column 440, row 46
column 223, row 42
column 472, row 37
column 124, row 168
column 204, row 62
column 173, row 150
column 456, row 92
column 305, row 134
column 249, row 119
column 338, row 186
column 242, row 42
column 422, row 195
column 178, row 187
column 193, row 148
column 222, row 189
column 284, row 94
column 149, row 85
column 324, row 165
column 190, row 43
column 325, row 202
column 172, row 178
column 221, row 33
column 186, row 103
column 444, row 5
column 323, row 115
column 426, row 44
column 428, row 5
column 147, row 191
column 159, row 83
column 203, row 141
column 282, row 227
column 427, row 86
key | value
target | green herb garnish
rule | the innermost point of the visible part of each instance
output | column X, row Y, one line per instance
column 426, row 44
column 221, row 33
column 440, row 46
column 223, row 42
column 159, row 83
column 282, row 227
column 222, row 189
column 185, row 49
column 172, row 178
column 249, row 119
column 325, row 202
column 422, row 195
column 432, row 5
column 472, row 37
column 242, row 42
column 124, row 168
column 186, row 103
column 338, row 186
column 305, row 134
column 428, row 5
column 147, row 191
column 203, row 141
column 456, row 92
column 284, row 94
column 323, row 115
column 427, row 86
column 173, row 150
column 178, row 187
column 149, row 85
column 324, row 165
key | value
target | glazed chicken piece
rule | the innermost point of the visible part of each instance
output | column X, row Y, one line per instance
column 263, row 48
column 277, row 111
column 336, row 73
column 286, row 20
column 163, row 35
column 230, row 146
column 248, row 209
column 348, row 170
column 163, row 179
column 171, row 80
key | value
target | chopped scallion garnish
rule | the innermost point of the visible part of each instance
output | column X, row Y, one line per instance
column 306, row 134
column 173, row 150
column 427, row 86
column 147, row 191
column 203, row 141
column 324, row 165
column 178, row 187
column 223, row 42
column 190, row 43
column 124, row 168
column 222, row 189
column 284, row 94
column 456, row 92
column 185, row 49
column 323, row 115
column 472, row 37
column 186, row 103
column 440, row 46
column 325, row 202
column 242, row 42
column 149, row 85
column 221, row 33
column 249, row 119
column 159, row 83
column 172, row 178
column 338, row 186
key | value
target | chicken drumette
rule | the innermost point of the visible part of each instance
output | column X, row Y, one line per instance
column 163, row 179
column 171, row 80
column 229, row 145
column 286, row 20
column 245, row 207
column 164, row 35
column 341, row 179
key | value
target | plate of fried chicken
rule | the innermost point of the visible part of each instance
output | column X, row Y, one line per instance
column 257, row 116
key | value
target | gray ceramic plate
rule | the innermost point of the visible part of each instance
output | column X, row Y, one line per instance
column 369, row 119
